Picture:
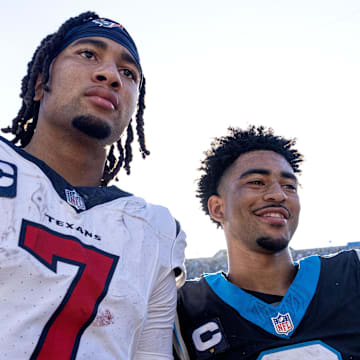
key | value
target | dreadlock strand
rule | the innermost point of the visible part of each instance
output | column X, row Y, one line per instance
column 111, row 157
column 120, row 160
column 113, row 165
column 140, row 120
column 128, row 150
column 121, row 154
column 28, row 133
column 109, row 163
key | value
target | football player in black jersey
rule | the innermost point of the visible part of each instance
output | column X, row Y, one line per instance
column 266, row 307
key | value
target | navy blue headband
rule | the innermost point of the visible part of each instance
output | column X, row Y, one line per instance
column 104, row 28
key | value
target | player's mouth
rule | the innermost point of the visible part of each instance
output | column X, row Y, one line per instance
column 275, row 215
column 102, row 97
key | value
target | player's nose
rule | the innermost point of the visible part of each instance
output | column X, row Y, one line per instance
column 108, row 74
column 275, row 193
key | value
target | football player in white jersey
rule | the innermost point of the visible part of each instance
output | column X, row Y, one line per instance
column 87, row 271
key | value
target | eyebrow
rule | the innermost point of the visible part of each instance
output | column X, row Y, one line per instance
column 103, row 46
column 284, row 174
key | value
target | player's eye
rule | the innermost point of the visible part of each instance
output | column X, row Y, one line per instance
column 256, row 182
column 129, row 74
column 290, row 187
column 87, row 54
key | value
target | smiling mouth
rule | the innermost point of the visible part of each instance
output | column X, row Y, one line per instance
column 274, row 214
column 273, row 211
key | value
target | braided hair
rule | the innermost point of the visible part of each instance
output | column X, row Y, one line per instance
column 225, row 150
column 24, row 124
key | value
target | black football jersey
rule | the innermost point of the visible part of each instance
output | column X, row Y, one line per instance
column 317, row 319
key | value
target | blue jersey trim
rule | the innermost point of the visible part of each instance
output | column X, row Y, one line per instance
column 308, row 343
column 295, row 302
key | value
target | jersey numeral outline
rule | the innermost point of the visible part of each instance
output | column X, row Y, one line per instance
column 310, row 350
column 61, row 335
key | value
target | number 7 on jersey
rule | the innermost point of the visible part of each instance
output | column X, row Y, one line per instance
column 61, row 335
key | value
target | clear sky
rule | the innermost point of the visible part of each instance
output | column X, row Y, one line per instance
column 291, row 65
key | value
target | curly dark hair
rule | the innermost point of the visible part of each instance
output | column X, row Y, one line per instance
column 24, row 124
column 225, row 150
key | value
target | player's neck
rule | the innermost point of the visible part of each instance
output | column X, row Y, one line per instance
column 265, row 273
column 78, row 163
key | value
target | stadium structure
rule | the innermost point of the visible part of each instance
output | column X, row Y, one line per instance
column 198, row 266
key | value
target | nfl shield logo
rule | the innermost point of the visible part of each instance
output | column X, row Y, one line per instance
column 75, row 200
column 283, row 324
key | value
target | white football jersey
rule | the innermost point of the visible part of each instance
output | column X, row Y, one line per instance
column 78, row 266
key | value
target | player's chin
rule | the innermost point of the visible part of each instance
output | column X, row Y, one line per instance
column 273, row 244
column 92, row 126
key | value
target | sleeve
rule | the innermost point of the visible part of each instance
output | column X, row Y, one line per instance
column 156, row 339
column 179, row 347
column 172, row 241
column 178, row 256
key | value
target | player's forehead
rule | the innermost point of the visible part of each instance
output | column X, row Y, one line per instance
column 262, row 162
column 266, row 159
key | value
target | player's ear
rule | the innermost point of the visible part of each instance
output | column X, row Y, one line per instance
column 39, row 91
column 216, row 208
